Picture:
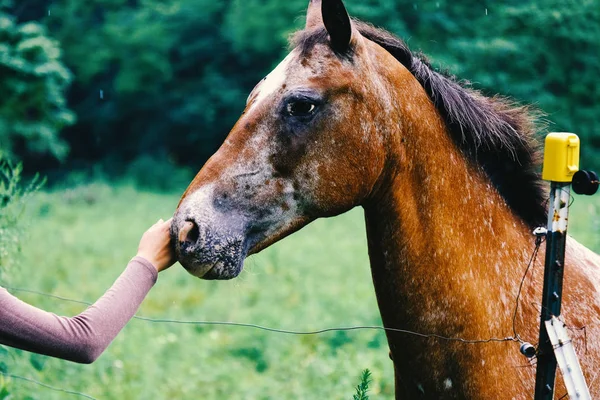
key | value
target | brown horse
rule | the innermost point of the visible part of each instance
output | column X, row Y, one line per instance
column 447, row 179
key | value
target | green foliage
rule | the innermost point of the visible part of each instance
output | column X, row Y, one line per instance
column 317, row 278
column 4, row 384
column 12, row 204
column 85, row 235
column 33, row 109
column 168, row 79
column 173, row 76
column 584, row 220
column 363, row 387
column 155, row 173
column 538, row 52
column 547, row 53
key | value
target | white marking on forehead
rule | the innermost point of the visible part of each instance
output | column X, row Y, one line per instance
column 273, row 81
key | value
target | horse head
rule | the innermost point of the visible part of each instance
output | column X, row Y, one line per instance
column 309, row 144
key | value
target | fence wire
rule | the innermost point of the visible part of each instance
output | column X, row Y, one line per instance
column 282, row 331
column 244, row 325
column 44, row 385
column 514, row 338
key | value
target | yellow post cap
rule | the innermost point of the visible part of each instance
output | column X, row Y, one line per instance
column 561, row 157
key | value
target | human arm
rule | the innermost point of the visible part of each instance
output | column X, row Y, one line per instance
column 84, row 337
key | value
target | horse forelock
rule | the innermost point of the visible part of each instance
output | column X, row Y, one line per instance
column 493, row 133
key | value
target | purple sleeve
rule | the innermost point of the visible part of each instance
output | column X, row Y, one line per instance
column 84, row 337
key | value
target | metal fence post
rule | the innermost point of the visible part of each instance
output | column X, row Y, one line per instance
column 561, row 161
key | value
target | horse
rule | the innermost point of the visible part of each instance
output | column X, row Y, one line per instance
column 448, row 179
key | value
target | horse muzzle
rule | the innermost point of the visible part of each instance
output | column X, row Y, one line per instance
column 208, row 246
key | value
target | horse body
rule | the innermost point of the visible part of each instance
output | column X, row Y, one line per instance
column 352, row 118
column 447, row 257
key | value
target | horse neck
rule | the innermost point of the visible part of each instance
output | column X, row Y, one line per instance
column 442, row 242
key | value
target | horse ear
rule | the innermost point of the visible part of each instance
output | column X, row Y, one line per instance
column 337, row 23
column 334, row 16
column 313, row 15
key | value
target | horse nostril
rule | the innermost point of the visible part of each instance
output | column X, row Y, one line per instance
column 189, row 233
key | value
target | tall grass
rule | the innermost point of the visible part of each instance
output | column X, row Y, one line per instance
column 13, row 195
column 81, row 238
column 363, row 387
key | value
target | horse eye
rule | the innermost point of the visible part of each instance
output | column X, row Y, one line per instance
column 300, row 108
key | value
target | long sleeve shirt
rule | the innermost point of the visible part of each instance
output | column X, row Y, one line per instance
column 84, row 337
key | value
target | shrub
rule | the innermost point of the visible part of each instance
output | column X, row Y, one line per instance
column 158, row 173
column 12, row 203
column 34, row 80
column 363, row 387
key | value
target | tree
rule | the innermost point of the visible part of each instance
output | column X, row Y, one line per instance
column 33, row 109
column 164, row 79
column 167, row 79
column 537, row 52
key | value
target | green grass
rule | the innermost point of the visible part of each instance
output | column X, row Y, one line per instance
column 79, row 240
column 584, row 220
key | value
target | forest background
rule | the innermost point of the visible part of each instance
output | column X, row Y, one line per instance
column 121, row 86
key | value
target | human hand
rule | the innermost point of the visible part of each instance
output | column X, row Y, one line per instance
column 155, row 245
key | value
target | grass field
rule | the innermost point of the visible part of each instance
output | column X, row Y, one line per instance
column 79, row 240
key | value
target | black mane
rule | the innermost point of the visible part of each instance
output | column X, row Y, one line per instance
column 491, row 132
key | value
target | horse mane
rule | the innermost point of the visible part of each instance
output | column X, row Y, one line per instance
column 492, row 132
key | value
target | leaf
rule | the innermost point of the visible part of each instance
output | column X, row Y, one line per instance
column 363, row 386
column 37, row 361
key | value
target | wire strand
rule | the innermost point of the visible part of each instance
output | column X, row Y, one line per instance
column 325, row 330
column 532, row 259
column 30, row 380
column 284, row 331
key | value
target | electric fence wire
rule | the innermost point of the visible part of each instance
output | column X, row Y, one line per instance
column 514, row 338
column 44, row 385
column 248, row 325
column 282, row 331
column 538, row 243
